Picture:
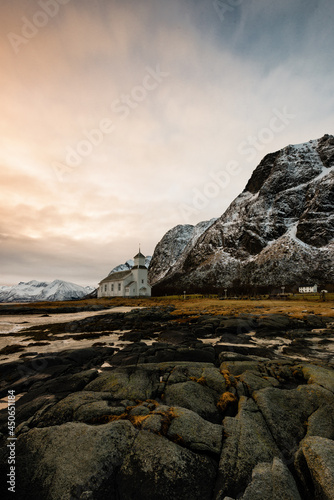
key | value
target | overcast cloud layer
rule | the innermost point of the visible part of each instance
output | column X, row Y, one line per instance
column 122, row 119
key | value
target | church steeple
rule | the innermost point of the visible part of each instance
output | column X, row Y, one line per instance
column 139, row 259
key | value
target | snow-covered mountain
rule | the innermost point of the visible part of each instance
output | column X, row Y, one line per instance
column 278, row 231
column 175, row 244
column 129, row 265
column 38, row 290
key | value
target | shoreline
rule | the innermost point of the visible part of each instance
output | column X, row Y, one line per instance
column 25, row 336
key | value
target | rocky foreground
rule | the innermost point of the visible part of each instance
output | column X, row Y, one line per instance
column 173, row 416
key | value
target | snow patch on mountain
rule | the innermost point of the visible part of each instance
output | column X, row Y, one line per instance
column 129, row 265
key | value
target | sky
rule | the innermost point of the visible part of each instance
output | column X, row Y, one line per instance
column 120, row 119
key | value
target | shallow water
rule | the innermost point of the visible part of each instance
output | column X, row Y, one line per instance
column 13, row 324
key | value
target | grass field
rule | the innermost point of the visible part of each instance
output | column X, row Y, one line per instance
column 296, row 306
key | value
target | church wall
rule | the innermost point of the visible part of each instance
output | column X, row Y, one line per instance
column 105, row 289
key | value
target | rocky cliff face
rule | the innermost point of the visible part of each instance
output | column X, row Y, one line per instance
column 176, row 243
column 278, row 231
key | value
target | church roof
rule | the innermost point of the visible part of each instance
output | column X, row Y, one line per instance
column 116, row 276
column 139, row 254
column 129, row 284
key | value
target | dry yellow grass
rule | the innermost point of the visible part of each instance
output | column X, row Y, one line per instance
column 195, row 306
column 261, row 307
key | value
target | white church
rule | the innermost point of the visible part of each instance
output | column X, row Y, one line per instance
column 131, row 283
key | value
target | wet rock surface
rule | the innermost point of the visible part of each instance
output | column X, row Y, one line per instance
column 266, row 335
column 177, row 415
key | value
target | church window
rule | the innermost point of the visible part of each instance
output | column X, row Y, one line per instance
column 142, row 281
column 119, row 287
column 112, row 287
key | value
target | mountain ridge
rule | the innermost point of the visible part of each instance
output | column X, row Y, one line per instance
column 278, row 231
column 173, row 246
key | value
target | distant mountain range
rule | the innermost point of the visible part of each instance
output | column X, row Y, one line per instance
column 279, row 231
column 39, row 290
